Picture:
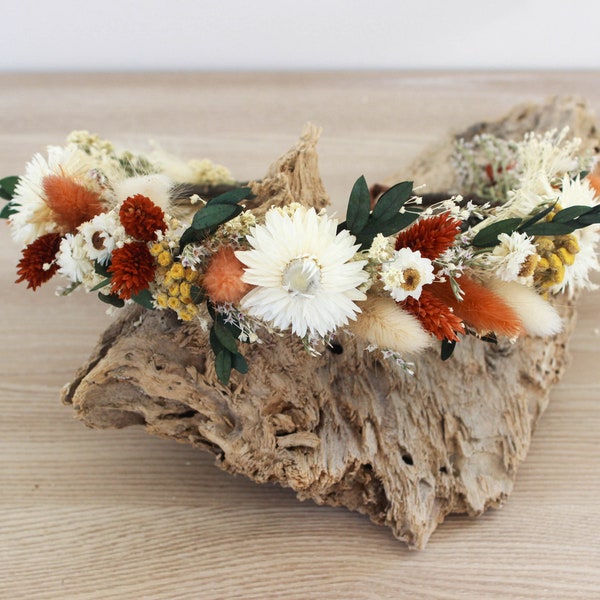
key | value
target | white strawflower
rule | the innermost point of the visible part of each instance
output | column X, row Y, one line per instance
column 34, row 217
column 100, row 236
column 72, row 259
column 509, row 256
column 303, row 271
column 406, row 274
column 578, row 192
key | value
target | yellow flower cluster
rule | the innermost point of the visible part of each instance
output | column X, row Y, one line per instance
column 554, row 254
column 175, row 283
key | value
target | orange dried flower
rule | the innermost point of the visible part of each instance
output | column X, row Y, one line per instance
column 71, row 202
column 431, row 236
column 37, row 254
column 223, row 277
column 481, row 308
column 141, row 218
column 435, row 316
column 132, row 269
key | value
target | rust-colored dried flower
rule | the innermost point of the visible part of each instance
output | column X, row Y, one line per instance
column 481, row 308
column 71, row 203
column 141, row 218
column 431, row 236
column 132, row 269
column 435, row 316
column 223, row 277
column 37, row 263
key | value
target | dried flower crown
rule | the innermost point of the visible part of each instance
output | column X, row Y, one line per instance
column 396, row 273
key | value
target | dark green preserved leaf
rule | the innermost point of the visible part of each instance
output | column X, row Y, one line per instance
column 447, row 349
column 101, row 269
column 111, row 299
column 239, row 363
column 223, row 366
column 7, row 187
column 144, row 298
column 232, row 197
column 550, row 228
column 100, row 285
column 225, row 336
column 197, row 294
column 10, row 208
column 359, row 206
column 537, row 217
column 567, row 214
column 213, row 215
column 392, row 201
column 488, row 236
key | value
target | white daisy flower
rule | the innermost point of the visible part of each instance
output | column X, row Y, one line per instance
column 406, row 274
column 73, row 262
column 303, row 271
column 509, row 256
column 101, row 235
column 578, row 192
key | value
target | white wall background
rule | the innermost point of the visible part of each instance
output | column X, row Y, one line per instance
column 38, row 35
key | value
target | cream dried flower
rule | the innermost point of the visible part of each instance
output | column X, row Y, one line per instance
column 303, row 271
column 406, row 274
column 510, row 255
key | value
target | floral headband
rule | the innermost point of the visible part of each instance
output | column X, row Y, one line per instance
column 401, row 271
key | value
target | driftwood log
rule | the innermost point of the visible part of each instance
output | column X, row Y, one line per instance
column 344, row 429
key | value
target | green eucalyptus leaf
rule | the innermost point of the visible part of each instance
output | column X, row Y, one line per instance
column 225, row 336
column 590, row 218
column 232, row 197
column 215, row 344
column 447, row 348
column 223, row 366
column 144, row 298
column 239, row 363
column 111, row 299
column 100, row 285
column 567, row 214
column 538, row 216
column 550, row 228
column 7, row 187
column 359, row 206
column 189, row 236
column 488, row 236
column 211, row 310
column 392, row 225
column 197, row 294
column 392, row 200
column 10, row 208
column 101, row 269
column 213, row 215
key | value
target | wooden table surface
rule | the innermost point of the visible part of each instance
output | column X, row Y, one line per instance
column 120, row 514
